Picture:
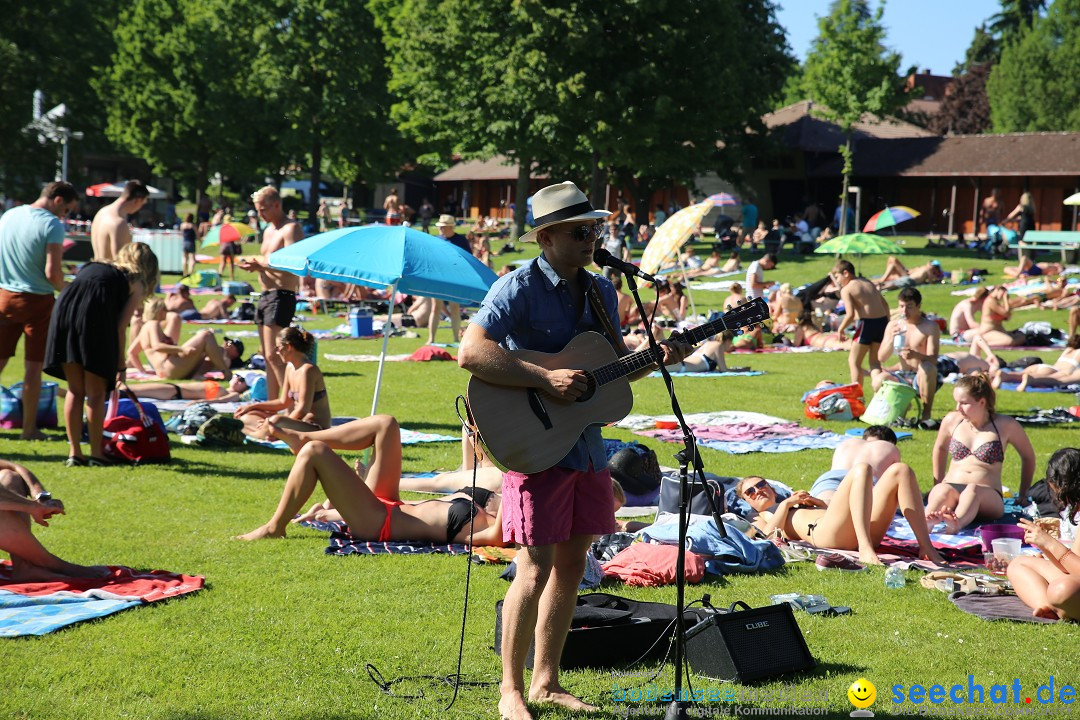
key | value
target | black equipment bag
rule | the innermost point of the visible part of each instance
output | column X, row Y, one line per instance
column 610, row 631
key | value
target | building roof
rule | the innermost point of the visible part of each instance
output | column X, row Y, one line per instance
column 1009, row 154
column 496, row 168
column 800, row 129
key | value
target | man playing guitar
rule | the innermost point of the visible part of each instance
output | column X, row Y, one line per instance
column 552, row 514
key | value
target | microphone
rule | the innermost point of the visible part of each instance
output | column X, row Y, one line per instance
column 605, row 259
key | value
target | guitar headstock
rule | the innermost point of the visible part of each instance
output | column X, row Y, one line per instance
column 748, row 313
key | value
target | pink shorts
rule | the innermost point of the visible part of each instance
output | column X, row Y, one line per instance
column 549, row 507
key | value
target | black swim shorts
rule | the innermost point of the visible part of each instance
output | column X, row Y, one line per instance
column 276, row 307
column 870, row 331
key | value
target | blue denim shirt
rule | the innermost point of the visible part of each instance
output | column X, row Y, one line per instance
column 532, row 308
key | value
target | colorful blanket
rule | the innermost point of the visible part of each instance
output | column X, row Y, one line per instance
column 741, row 438
column 40, row 608
column 364, row 358
column 723, row 417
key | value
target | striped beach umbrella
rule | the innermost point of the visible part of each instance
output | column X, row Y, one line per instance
column 889, row 217
column 227, row 232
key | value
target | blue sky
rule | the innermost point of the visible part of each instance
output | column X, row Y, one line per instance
column 929, row 33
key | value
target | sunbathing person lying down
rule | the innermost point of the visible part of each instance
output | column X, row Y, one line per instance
column 856, row 518
column 1064, row 371
column 876, row 447
column 369, row 499
column 168, row 359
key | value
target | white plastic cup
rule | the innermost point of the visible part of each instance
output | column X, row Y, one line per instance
column 1006, row 547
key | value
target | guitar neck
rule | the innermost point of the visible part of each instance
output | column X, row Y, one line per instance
column 642, row 359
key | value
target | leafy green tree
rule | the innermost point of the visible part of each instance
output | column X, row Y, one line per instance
column 527, row 79
column 1034, row 88
column 850, row 72
column 172, row 90
column 1015, row 18
column 54, row 47
column 321, row 67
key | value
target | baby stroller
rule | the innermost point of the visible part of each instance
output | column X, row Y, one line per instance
column 999, row 241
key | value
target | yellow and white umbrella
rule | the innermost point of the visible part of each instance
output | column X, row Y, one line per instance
column 669, row 239
column 1073, row 199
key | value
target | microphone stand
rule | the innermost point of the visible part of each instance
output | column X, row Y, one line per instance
column 677, row 709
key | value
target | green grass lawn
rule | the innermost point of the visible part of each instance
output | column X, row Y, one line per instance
column 283, row 631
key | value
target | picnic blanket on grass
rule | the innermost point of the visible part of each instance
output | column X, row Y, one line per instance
column 342, row 543
column 741, row 438
column 40, row 608
column 364, row 358
column 725, row 373
column 995, row 607
column 723, row 417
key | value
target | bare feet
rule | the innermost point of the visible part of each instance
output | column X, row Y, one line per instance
column 512, row 706
column 869, row 558
column 25, row 572
column 361, row 469
column 932, row 555
column 558, row 696
column 310, row 514
column 36, row 435
column 1023, row 384
column 260, row 533
column 1046, row 611
column 290, row 437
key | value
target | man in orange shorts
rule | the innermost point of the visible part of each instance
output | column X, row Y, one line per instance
column 32, row 238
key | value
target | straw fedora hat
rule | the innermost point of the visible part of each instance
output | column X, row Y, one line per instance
column 445, row 221
column 558, row 204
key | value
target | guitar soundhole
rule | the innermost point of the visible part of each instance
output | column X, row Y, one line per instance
column 590, row 390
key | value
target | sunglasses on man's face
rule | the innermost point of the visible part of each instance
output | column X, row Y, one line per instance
column 586, row 232
column 756, row 489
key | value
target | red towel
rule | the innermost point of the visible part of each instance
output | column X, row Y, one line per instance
column 147, row 585
column 648, row 565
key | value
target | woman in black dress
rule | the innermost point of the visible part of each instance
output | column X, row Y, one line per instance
column 87, row 339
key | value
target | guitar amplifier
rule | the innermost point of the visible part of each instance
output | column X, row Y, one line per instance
column 748, row 644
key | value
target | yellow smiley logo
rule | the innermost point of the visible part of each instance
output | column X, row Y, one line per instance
column 862, row 693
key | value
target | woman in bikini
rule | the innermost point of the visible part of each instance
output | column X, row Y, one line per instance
column 856, row 518
column 1064, row 371
column 785, row 308
column 303, row 403
column 995, row 312
column 168, row 359
column 1050, row 585
column 368, row 500
column 807, row 333
column 974, row 436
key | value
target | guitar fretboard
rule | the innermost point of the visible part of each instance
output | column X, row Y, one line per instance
column 747, row 314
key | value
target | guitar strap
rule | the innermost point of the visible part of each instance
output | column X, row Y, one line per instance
column 600, row 311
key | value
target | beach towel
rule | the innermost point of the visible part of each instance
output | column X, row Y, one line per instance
column 220, row 321
column 995, row 607
column 645, row 565
column 723, row 417
column 1070, row 389
column 342, row 543
column 725, row 373
column 742, row 438
column 712, row 285
column 40, row 608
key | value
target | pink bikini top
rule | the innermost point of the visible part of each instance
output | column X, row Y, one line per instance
column 990, row 453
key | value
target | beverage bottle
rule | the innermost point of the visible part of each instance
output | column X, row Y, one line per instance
column 898, row 341
column 894, row 578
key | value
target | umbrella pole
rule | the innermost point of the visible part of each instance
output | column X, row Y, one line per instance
column 385, row 340
column 686, row 284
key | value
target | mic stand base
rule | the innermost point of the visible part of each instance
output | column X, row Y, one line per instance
column 677, row 710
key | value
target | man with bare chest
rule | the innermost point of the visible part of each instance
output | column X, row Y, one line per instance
column 916, row 340
column 865, row 306
column 277, row 302
column 109, row 232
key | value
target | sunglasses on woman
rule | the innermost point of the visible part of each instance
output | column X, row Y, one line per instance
column 756, row 489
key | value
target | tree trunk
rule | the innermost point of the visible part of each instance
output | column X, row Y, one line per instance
column 521, row 197
column 597, row 183
column 316, row 180
column 202, row 170
column 846, row 152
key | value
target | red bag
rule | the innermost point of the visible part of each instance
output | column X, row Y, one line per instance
column 134, row 441
column 852, row 393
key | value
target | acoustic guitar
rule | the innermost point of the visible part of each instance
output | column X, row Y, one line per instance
column 528, row 430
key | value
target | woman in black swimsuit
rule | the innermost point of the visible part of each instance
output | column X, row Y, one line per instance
column 369, row 499
column 975, row 437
